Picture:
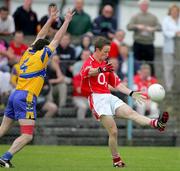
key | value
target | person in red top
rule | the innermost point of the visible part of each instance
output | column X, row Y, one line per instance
column 17, row 47
column 96, row 74
column 116, row 44
column 141, row 83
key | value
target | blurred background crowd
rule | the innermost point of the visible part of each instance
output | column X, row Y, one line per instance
column 62, row 85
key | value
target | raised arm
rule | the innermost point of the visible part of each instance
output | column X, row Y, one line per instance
column 60, row 33
column 45, row 29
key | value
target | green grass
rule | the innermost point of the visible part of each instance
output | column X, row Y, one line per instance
column 94, row 158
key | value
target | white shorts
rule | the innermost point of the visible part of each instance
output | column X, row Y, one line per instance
column 104, row 104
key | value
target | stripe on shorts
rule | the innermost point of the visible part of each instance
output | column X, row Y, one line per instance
column 92, row 107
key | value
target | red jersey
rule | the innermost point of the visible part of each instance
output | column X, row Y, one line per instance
column 18, row 51
column 114, row 50
column 143, row 85
column 98, row 83
column 77, row 85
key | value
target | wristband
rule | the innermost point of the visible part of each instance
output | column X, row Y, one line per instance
column 131, row 93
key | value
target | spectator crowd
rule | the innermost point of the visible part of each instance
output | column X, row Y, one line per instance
column 63, row 69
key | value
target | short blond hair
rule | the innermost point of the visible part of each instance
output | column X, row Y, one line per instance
column 173, row 6
column 142, row 1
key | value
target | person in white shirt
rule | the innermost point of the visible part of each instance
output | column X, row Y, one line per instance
column 171, row 30
column 7, row 26
column 5, row 86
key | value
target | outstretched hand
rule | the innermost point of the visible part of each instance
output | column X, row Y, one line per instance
column 139, row 97
column 69, row 15
column 54, row 14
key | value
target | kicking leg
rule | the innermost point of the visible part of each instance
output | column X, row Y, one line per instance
column 128, row 113
column 111, row 128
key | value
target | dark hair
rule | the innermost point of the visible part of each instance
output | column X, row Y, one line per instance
column 39, row 44
column 3, row 8
column 52, row 5
column 100, row 42
column 84, row 36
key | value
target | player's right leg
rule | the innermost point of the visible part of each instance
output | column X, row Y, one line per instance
column 127, row 112
column 5, row 126
column 24, row 105
column 27, row 127
column 110, row 125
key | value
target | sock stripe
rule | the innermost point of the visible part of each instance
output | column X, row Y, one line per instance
column 153, row 123
column 116, row 158
column 115, row 155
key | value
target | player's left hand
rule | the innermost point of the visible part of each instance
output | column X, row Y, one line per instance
column 139, row 97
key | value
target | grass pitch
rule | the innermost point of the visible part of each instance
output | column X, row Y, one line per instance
column 94, row 158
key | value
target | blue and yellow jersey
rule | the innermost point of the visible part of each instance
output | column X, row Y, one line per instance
column 32, row 70
column 15, row 74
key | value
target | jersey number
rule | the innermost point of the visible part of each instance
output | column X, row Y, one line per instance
column 102, row 79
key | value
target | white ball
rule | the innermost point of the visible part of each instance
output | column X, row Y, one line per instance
column 156, row 92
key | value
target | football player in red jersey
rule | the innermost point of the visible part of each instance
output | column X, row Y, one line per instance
column 96, row 74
